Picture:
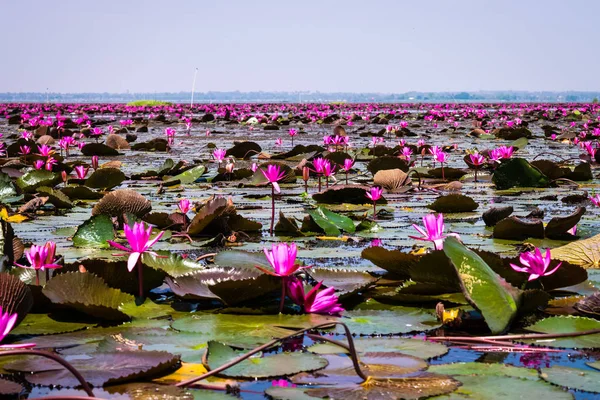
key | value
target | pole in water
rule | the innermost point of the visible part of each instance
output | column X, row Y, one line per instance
column 193, row 87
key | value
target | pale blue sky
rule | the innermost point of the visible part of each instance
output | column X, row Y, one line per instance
column 345, row 45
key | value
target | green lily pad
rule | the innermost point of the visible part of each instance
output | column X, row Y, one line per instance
column 247, row 329
column 572, row 378
column 517, row 172
column 55, row 197
column 190, row 346
column 7, row 187
column 395, row 320
column 567, row 324
column 95, row 232
column 483, row 369
column 242, row 259
column 262, row 366
column 394, row 261
column 42, row 324
column 173, row 264
column 31, row 180
column 345, row 281
column 105, row 178
column 187, row 177
column 331, row 222
column 99, row 369
column 147, row 310
column 410, row 347
column 87, row 293
column 503, row 387
column 81, row 193
column 482, row 287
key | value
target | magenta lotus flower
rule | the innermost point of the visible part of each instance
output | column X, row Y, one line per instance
column 50, row 162
column 95, row 162
column 421, row 142
column 96, row 131
column 282, row 383
column 139, row 241
column 184, row 206
column 170, row 133
column 24, row 150
column 282, row 259
column 434, row 231
column 292, row 133
column 506, row 152
column 374, row 194
column 254, row 167
column 348, row 164
column 595, row 200
column 39, row 164
column 45, row 150
column 315, row 302
column 7, row 322
column 274, row 174
column 406, row 153
column 477, row 160
column 41, row 258
column 81, row 171
column 328, row 171
column 535, row 264
column 219, row 155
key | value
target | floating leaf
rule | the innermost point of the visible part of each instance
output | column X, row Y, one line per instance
column 453, row 203
column 7, row 187
column 87, row 293
column 496, row 214
column 331, row 222
column 481, row 286
column 395, row 320
column 584, row 252
column 173, row 264
column 42, row 324
column 99, row 369
column 280, row 364
column 10, row 388
column 411, row 347
column 95, row 232
column 350, row 194
column 558, row 226
column 105, row 178
column 394, row 261
column 36, row 178
column 345, row 281
column 517, row 172
column 567, row 324
column 502, row 387
column 572, row 378
column 242, row 259
column 484, row 369
column 187, row 177
column 98, row 149
column 55, row 197
column 514, row 228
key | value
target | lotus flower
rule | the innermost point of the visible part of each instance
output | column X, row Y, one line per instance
column 25, row 150
column 184, row 206
column 219, row 155
column 95, row 162
column 139, row 241
column 305, row 177
column 506, row 152
column 315, row 302
column 374, row 194
column 292, row 133
column 7, row 322
column 170, row 133
column 328, row 171
column 41, row 258
column 535, row 264
column 38, row 164
column 50, row 163
column 282, row 258
column 434, row 230
column 254, row 167
column 45, row 150
column 348, row 164
column 81, row 171
column 477, row 160
column 595, row 200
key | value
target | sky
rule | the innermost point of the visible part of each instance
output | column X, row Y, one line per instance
column 381, row 46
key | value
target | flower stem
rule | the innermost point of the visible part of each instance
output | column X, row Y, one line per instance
column 319, row 183
column 37, row 277
column 374, row 210
column 140, row 278
column 282, row 301
column 272, row 209
column 346, row 177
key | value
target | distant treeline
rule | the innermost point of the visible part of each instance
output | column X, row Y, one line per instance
column 304, row 97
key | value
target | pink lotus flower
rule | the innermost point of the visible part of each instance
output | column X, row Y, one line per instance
column 477, row 159
column 96, row 131
column 274, row 174
column 421, row 142
column 292, row 132
column 506, row 152
column 282, row 258
column 348, row 164
column 170, row 133
column 282, row 383
column 7, row 322
column 535, row 264
column 38, row 164
column 45, row 150
column 95, row 162
column 50, row 162
column 184, row 206
column 25, row 150
column 278, row 142
column 254, row 167
column 315, row 302
column 406, row 153
column 81, row 171
column 595, row 200
column 374, row 194
column 434, row 231
column 139, row 241
column 41, row 258
column 219, row 155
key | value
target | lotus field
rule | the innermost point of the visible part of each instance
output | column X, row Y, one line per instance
column 300, row 251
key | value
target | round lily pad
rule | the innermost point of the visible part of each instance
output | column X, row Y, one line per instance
column 572, row 378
